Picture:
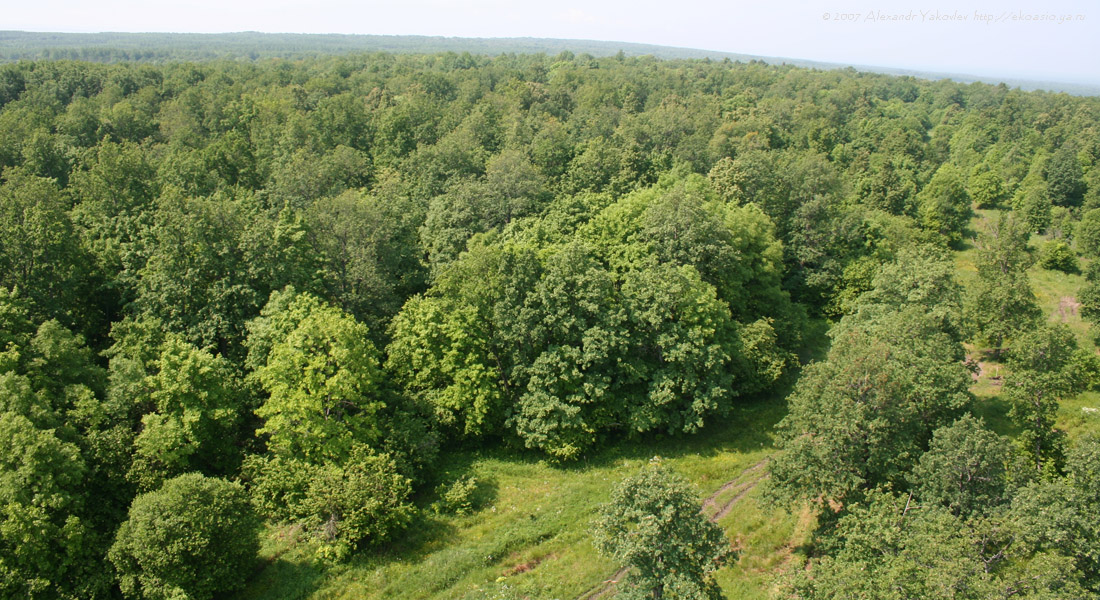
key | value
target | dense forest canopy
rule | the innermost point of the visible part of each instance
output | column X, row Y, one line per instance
column 234, row 293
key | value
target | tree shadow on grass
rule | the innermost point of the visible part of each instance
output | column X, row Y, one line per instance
column 283, row 579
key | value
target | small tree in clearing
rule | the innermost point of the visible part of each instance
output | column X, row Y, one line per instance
column 654, row 524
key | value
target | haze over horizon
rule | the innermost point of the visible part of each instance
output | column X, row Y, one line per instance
column 1053, row 41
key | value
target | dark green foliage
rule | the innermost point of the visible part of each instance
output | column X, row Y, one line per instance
column 1043, row 373
column 965, row 468
column 863, row 416
column 1001, row 304
column 653, row 525
column 1087, row 234
column 40, row 254
column 890, row 546
column 1065, row 186
column 944, row 205
column 192, row 538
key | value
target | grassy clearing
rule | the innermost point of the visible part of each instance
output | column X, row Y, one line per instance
column 528, row 536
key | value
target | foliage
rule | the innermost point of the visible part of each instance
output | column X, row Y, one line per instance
column 457, row 498
column 1057, row 256
column 1043, row 373
column 322, row 377
column 192, row 538
column 964, row 469
column 1001, row 303
column 862, row 417
column 653, row 525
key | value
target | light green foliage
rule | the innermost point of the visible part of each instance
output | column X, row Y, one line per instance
column 653, row 525
column 358, row 502
column 1056, row 256
column 189, row 540
column 361, row 503
column 965, row 468
column 944, row 205
column 456, row 347
column 45, row 544
column 458, row 497
column 194, row 409
column 986, row 188
column 322, row 378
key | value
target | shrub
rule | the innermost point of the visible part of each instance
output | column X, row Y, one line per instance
column 191, row 539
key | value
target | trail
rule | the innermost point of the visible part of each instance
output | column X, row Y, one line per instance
column 738, row 483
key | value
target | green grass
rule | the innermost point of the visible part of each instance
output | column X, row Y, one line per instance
column 529, row 535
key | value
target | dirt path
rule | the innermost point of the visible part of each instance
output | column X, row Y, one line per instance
column 1068, row 307
column 738, row 483
column 604, row 588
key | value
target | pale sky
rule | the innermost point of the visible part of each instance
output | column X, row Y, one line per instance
column 1031, row 39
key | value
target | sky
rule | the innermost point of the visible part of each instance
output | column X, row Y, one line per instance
column 1050, row 40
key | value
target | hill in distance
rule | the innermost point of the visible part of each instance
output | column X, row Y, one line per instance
column 169, row 47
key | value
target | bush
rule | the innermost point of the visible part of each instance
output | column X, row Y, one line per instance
column 361, row 503
column 457, row 498
column 1056, row 256
column 653, row 524
column 191, row 539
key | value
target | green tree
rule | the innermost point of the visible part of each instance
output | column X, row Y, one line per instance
column 986, row 188
column 41, row 254
column 190, row 539
column 323, row 381
column 362, row 503
column 1001, row 304
column 1042, row 374
column 862, row 417
column 1065, row 185
column 1087, row 234
column 653, row 525
column 46, row 545
column 1057, row 256
column 891, row 546
column 192, row 411
column 944, row 205
column 965, row 468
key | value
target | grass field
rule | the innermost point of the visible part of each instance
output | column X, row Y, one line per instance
column 529, row 533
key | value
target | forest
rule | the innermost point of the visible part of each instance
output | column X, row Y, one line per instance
column 463, row 326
